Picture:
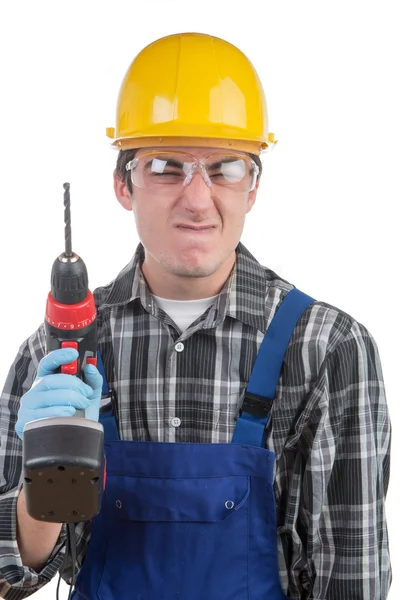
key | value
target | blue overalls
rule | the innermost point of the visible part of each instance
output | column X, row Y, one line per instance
column 182, row 521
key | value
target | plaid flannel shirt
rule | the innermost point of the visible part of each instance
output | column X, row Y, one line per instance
column 329, row 427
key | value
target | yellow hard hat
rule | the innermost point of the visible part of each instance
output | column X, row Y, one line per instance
column 191, row 89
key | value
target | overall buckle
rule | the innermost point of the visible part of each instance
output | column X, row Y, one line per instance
column 256, row 406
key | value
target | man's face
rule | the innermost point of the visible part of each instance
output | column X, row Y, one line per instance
column 189, row 230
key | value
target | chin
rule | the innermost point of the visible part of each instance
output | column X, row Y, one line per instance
column 192, row 266
column 190, row 269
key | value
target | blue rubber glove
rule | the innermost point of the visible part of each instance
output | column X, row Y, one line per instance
column 58, row 395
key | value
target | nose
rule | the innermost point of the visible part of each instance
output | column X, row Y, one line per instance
column 196, row 195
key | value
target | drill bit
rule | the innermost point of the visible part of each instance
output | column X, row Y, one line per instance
column 67, row 221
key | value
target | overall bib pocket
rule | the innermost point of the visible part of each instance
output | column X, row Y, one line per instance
column 182, row 537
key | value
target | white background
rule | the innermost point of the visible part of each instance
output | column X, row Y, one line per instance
column 326, row 214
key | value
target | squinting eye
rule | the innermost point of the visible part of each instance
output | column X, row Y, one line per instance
column 233, row 171
column 158, row 165
column 168, row 166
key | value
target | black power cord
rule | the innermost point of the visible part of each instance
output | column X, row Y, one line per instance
column 70, row 550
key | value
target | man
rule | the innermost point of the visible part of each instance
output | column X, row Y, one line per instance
column 213, row 490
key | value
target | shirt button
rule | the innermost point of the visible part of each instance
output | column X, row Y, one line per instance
column 175, row 421
column 179, row 347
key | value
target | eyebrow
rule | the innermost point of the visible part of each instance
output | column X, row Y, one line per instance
column 217, row 165
column 170, row 161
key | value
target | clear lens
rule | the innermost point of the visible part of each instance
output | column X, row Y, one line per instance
column 165, row 170
column 230, row 171
column 174, row 170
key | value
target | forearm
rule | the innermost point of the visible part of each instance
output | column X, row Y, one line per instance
column 36, row 540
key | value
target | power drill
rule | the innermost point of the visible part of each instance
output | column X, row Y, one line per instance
column 63, row 457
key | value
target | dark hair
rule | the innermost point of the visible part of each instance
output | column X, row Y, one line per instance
column 124, row 156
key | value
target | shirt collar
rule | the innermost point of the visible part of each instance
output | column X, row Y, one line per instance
column 243, row 296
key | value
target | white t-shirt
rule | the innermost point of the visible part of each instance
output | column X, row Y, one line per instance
column 184, row 312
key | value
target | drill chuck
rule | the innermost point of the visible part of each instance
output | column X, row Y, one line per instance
column 69, row 279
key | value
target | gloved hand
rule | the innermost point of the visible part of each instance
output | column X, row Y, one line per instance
column 58, row 395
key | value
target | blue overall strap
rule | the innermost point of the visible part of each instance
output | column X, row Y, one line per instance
column 260, row 392
column 100, row 367
column 107, row 417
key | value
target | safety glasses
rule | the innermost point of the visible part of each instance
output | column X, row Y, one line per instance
column 170, row 171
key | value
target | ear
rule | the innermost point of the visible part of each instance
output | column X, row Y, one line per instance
column 122, row 192
column 252, row 196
